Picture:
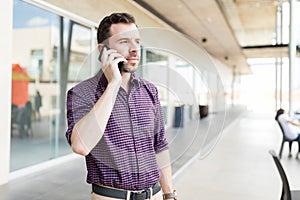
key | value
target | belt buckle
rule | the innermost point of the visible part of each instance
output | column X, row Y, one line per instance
column 138, row 196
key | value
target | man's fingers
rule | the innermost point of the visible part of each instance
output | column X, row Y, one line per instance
column 106, row 54
column 120, row 59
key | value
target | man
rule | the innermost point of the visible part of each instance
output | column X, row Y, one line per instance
column 116, row 122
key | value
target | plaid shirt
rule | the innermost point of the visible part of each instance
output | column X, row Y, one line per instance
column 125, row 156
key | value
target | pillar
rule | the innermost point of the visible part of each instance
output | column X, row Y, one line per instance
column 6, row 21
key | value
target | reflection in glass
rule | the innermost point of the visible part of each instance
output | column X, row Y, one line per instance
column 44, row 58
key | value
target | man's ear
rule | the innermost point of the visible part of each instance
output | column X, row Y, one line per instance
column 100, row 46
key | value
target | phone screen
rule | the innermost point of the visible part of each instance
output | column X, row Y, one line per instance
column 120, row 64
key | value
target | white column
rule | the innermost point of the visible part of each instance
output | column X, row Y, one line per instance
column 292, row 54
column 5, row 86
column 171, row 100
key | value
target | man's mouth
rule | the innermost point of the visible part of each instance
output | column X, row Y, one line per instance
column 132, row 59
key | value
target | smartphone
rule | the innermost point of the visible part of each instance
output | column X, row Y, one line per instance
column 120, row 64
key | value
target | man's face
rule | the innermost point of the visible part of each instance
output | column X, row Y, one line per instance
column 125, row 39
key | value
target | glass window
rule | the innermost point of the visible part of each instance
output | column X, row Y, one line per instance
column 40, row 81
column 80, row 49
column 177, row 81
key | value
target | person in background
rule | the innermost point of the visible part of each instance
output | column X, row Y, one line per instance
column 14, row 114
column 290, row 126
column 24, row 120
column 115, row 120
column 38, row 105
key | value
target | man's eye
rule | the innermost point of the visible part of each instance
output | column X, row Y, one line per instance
column 123, row 41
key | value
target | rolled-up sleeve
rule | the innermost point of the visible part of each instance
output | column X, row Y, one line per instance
column 160, row 140
column 77, row 107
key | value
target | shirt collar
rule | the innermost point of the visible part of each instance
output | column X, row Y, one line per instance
column 135, row 80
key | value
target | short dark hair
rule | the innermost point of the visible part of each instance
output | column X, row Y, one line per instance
column 279, row 112
column 103, row 31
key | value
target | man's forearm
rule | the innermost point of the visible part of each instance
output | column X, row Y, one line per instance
column 163, row 160
column 166, row 180
column 89, row 130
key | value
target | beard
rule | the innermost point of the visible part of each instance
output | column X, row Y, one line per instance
column 130, row 68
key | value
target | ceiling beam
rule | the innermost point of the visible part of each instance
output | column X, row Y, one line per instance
column 266, row 51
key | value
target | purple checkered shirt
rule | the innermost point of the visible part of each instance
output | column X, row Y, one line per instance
column 125, row 156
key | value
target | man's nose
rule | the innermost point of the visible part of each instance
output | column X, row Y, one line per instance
column 134, row 47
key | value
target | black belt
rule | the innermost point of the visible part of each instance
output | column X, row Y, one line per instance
column 122, row 194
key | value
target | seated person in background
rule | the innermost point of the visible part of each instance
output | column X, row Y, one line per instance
column 290, row 127
column 24, row 120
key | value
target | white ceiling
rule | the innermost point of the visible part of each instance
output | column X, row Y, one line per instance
column 222, row 27
column 227, row 25
column 205, row 23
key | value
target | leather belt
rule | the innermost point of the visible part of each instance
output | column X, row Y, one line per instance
column 122, row 194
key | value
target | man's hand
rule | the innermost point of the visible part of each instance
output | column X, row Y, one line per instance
column 110, row 59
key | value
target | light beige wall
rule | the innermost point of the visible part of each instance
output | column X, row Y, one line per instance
column 27, row 39
column 5, row 87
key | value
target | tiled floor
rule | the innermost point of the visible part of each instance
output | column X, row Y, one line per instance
column 239, row 167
